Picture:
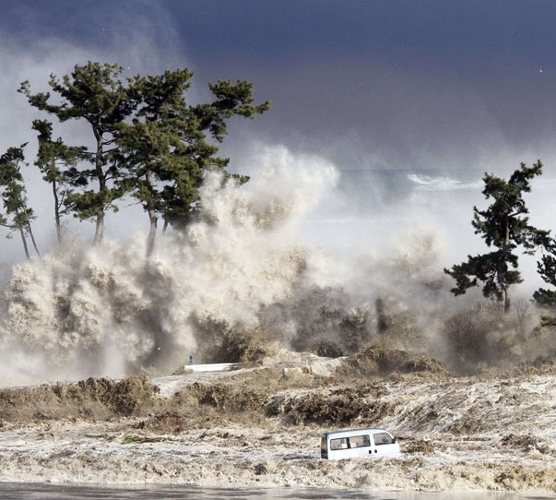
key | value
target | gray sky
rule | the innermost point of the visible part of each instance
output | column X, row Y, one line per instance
column 465, row 86
column 370, row 84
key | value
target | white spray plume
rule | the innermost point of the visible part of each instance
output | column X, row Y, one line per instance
column 246, row 265
column 106, row 310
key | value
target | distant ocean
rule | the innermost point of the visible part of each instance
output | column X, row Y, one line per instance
column 400, row 184
column 374, row 206
column 371, row 190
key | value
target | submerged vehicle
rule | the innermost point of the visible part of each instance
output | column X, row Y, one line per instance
column 354, row 443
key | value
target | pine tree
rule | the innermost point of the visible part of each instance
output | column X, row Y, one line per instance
column 505, row 226
column 17, row 214
column 96, row 94
column 57, row 162
column 164, row 152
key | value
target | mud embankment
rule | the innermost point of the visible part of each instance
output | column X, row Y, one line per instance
column 261, row 425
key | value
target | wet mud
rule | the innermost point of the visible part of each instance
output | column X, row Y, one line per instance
column 260, row 425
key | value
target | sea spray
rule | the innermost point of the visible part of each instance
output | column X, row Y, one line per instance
column 245, row 265
column 83, row 310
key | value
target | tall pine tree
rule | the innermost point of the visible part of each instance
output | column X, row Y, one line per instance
column 17, row 214
column 165, row 151
column 96, row 94
column 505, row 226
column 57, row 162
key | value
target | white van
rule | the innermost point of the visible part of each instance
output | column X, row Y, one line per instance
column 358, row 443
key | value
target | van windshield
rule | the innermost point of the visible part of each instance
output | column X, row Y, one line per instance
column 382, row 438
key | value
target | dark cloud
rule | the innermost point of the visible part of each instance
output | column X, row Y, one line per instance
column 382, row 116
column 405, row 29
column 368, row 84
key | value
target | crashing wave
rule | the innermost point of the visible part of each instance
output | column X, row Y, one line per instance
column 245, row 266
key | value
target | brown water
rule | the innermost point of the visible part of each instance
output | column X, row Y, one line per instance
column 41, row 491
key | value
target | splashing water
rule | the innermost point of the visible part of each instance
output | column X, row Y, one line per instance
column 88, row 311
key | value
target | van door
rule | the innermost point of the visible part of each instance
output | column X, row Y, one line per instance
column 384, row 444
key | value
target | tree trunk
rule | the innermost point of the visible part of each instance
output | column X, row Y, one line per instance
column 57, row 212
column 151, row 237
column 506, row 290
column 30, row 232
column 99, row 229
column 22, row 233
column 153, row 219
column 32, row 236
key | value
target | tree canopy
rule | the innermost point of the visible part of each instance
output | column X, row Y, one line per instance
column 505, row 226
column 57, row 162
column 147, row 142
column 164, row 152
column 93, row 93
column 18, row 215
column 546, row 298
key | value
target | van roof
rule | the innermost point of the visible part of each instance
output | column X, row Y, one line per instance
column 351, row 432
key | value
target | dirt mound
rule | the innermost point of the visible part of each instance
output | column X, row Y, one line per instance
column 326, row 349
column 372, row 361
column 92, row 399
column 199, row 403
column 343, row 406
column 375, row 360
column 245, row 348
column 124, row 397
column 422, row 364
column 228, row 398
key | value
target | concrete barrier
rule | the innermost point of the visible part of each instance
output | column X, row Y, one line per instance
column 211, row 367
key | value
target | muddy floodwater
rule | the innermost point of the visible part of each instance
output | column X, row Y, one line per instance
column 15, row 491
column 255, row 431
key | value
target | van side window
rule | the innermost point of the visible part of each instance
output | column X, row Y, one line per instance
column 338, row 443
column 359, row 441
column 382, row 438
